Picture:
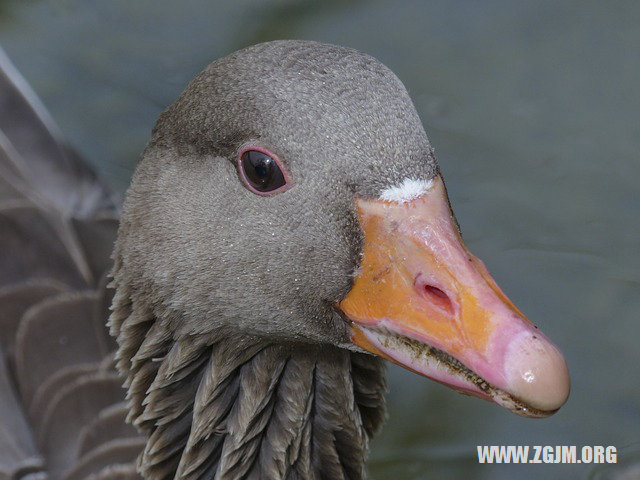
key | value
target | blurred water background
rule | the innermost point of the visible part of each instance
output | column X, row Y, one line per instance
column 534, row 111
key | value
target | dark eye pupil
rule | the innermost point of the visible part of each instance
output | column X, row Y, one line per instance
column 261, row 171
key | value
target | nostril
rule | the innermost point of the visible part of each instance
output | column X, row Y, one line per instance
column 431, row 290
column 438, row 297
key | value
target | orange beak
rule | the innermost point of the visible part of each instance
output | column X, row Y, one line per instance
column 424, row 302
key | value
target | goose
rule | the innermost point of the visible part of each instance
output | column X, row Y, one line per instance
column 287, row 231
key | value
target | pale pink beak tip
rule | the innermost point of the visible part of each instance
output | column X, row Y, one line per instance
column 536, row 372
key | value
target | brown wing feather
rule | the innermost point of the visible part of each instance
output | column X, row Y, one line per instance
column 58, row 223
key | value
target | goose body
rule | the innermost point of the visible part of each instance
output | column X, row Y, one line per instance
column 287, row 229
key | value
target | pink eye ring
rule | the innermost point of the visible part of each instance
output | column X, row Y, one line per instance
column 261, row 171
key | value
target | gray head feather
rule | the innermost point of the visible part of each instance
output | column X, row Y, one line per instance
column 224, row 311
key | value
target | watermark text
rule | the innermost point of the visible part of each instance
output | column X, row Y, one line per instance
column 547, row 454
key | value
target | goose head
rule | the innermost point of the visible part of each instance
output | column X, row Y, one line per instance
column 291, row 194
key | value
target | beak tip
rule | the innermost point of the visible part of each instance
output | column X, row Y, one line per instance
column 537, row 372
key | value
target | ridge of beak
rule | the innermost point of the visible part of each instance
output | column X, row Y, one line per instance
column 423, row 301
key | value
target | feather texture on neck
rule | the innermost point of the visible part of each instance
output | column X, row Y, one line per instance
column 238, row 406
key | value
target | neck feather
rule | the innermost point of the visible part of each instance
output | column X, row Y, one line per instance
column 239, row 407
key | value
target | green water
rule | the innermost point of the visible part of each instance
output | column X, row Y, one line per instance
column 533, row 108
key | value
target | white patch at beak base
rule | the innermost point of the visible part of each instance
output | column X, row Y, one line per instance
column 409, row 189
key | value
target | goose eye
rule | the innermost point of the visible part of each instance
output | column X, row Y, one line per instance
column 261, row 172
